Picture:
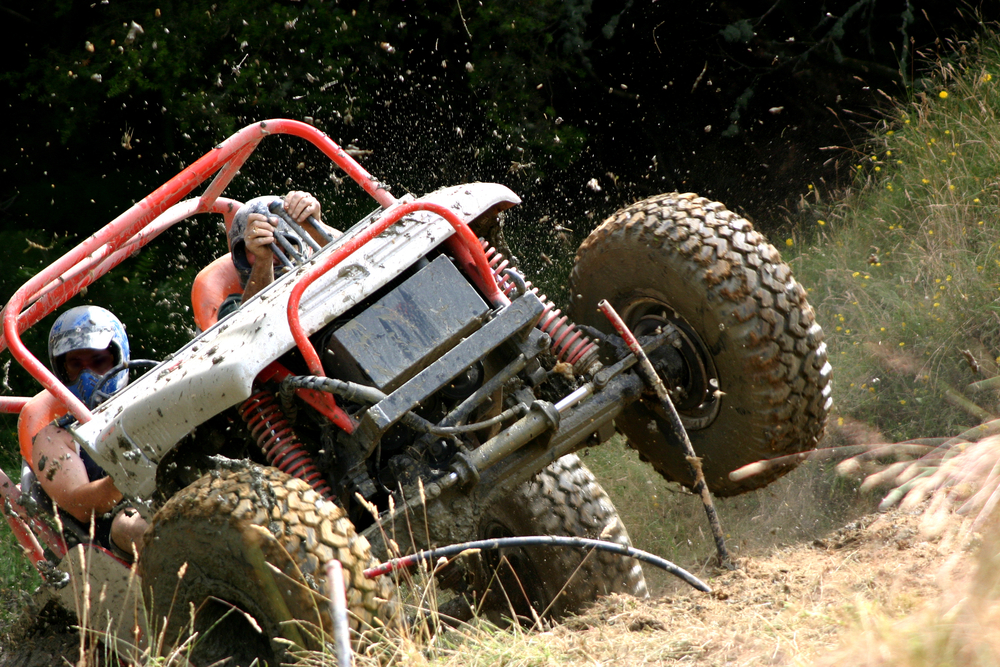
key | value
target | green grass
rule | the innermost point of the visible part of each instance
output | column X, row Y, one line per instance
column 17, row 576
column 904, row 271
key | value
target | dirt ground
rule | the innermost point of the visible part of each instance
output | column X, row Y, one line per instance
column 41, row 638
column 850, row 596
column 835, row 600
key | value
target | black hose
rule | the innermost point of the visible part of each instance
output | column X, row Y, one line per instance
column 352, row 391
column 538, row 541
column 418, row 423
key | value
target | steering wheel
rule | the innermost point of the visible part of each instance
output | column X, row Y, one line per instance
column 99, row 395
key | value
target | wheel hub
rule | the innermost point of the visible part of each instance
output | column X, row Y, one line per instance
column 694, row 381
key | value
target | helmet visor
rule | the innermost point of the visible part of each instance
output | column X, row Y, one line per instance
column 81, row 338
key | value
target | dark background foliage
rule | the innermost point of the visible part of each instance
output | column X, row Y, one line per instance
column 580, row 106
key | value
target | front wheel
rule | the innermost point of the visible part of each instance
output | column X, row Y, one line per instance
column 749, row 371
column 239, row 557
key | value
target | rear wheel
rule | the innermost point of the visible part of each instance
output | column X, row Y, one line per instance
column 246, row 552
column 566, row 500
column 749, row 374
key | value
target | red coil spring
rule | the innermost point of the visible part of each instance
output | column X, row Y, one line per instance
column 568, row 344
column 280, row 444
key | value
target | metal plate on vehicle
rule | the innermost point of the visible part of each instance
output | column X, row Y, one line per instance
column 395, row 338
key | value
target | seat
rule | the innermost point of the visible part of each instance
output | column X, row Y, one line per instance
column 211, row 286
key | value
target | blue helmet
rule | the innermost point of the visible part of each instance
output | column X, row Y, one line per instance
column 89, row 328
column 237, row 244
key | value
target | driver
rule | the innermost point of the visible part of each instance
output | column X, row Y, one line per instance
column 85, row 343
column 254, row 230
column 223, row 285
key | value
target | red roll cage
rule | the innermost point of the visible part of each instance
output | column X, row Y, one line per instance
column 132, row 230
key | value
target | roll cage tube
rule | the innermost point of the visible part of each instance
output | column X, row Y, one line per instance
column 99, row 253
column 93, row 266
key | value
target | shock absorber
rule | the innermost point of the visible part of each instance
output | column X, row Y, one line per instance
column 277, row 439
column 569, row 344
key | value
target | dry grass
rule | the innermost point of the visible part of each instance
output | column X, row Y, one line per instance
column 669, row 521
column 791, row 606
column 957, row 489
column 916, row 586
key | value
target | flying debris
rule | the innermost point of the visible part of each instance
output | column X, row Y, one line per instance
column 133, row 30
column 516, row 166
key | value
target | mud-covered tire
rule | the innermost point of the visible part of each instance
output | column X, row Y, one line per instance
column 238, row 535
column 564, row 499
column 704, row 269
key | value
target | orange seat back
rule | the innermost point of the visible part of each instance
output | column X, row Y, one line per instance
column 36, row 414
column 211, row 286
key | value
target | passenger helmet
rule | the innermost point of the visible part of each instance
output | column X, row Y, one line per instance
column 237, row 244
column 89, row 328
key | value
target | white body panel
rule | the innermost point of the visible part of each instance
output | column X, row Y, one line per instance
column 132, row 431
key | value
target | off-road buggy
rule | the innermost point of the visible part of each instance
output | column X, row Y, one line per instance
column 404, row 370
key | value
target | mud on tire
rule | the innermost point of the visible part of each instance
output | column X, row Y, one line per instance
column 684, row 260
column 564, row 499
column 256, row 540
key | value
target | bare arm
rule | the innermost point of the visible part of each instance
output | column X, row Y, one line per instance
column 63, row 476
column 259, row 236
